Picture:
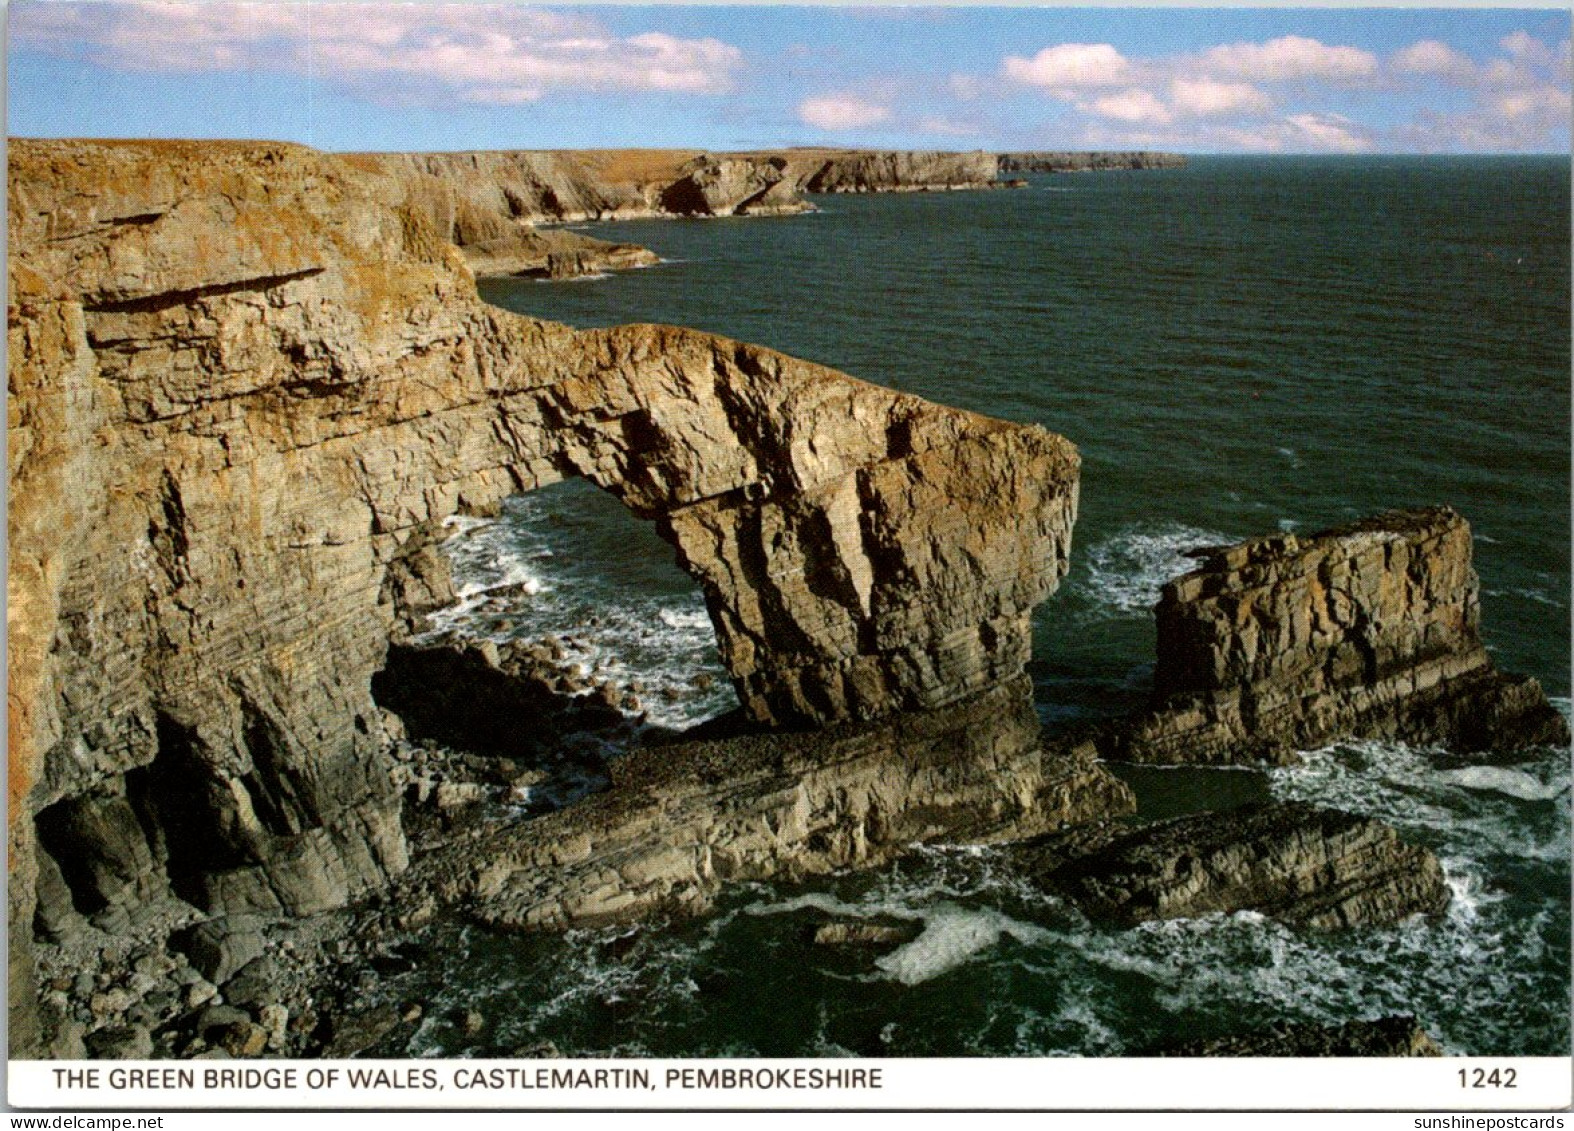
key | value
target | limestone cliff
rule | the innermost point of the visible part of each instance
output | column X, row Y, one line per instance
column 1370, row 630
column 248, row 382
column 1049, row 161
column 489, row 204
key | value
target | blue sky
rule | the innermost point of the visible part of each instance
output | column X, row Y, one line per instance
column 494, row 76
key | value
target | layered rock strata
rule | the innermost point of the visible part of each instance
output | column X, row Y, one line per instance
column 553, row 254
column 249, row 382
column 680, row 820
column 1370, row 630
column 1302, row 865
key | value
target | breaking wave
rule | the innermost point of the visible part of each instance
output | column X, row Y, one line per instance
column 1126, row 571
column 525, row 576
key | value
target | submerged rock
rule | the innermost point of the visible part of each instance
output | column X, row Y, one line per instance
column 1369, row 630
column 352, row 1033
column 867, row 932
column 1293, row 862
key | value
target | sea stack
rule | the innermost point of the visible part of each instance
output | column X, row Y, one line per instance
column 1370, row 630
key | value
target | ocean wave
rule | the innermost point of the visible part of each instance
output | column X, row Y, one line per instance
column 1476, row 811
column 520, row 577
column 1502, row 779
column 952, row 935
column 1126, row 571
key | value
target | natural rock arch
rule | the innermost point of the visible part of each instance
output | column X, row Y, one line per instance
column 248, row 383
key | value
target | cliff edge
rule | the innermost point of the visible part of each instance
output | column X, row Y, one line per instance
column 248, row 382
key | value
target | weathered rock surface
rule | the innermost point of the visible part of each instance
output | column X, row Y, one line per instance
column 1369, row 630
column 220, row 947
column 1302, row 865
column 871, row 171
column 554, row 254
column 877, row 932
column 248, row 382
column 1386, row 1036
column 1047, row 161
column 680, row 820
column 489, row 204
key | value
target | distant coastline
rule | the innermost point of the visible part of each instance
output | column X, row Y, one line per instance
column 491, row 204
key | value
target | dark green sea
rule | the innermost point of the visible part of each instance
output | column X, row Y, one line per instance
column 1244, row 346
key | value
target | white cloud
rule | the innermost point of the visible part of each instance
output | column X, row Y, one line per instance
column 841, row 112
column 1069, row 66
column 1205, row 97
column 1431, row 57
column 1133, row 105
column 477, row 53
column 1331, row 132
column 946, row 127
column 1271, row 96
column 966, row 87
column 1287, row 59
column 1539, row 103
column 1521, row 43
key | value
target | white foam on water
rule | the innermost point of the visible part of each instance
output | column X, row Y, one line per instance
column 952, row 935
column 1474, row 812
column 515, row 579
column 1291, row 456
column 685, row 620
column 1469, row 891
column 1126, row 571
column 1502, row 779
column 1537, row 596
column 810, row 901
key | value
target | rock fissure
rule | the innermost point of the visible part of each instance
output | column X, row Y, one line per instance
column 155, row 303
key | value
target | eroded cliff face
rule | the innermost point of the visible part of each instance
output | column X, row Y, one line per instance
column 489, row 204
column 1061, row 161
column 248, row 382
column 1370, row 630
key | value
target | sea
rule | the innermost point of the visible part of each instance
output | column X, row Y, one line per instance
column 1240, row 347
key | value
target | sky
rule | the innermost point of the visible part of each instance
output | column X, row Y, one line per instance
column 429, row 76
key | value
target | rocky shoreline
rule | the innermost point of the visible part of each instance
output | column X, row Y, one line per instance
column 1049, row 161
column 249, row 385
column 493, row 206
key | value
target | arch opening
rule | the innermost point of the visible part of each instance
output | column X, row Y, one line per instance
column 572, row 636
